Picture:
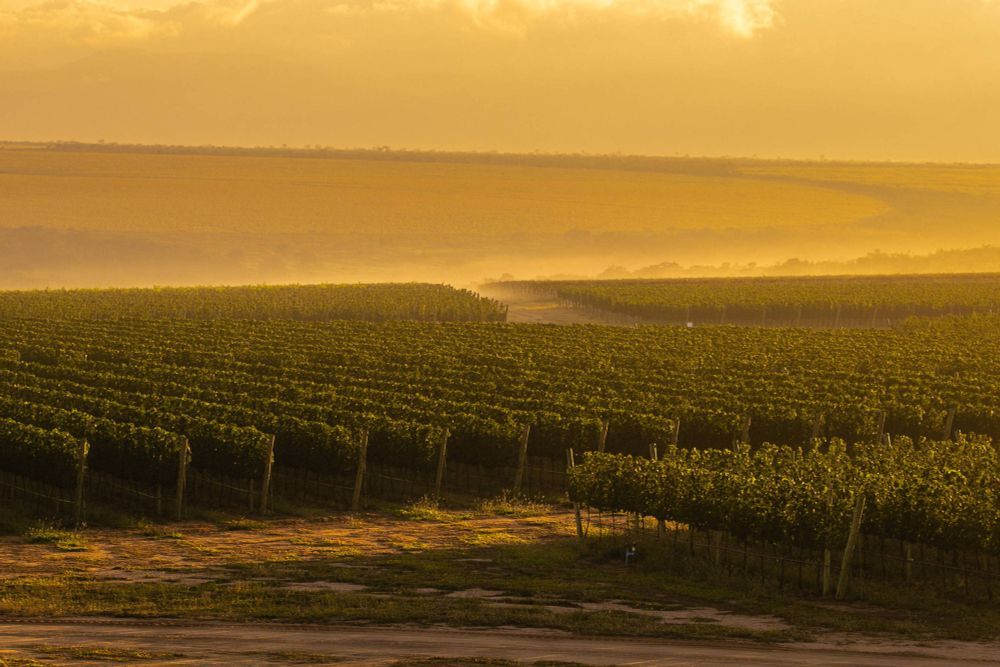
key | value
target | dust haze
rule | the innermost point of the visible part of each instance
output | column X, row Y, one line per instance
column 99, row 215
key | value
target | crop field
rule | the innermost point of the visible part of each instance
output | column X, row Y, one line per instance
column 139, row 390
column 344, row 196
column 375, row 303
column 939, row 494
column 858, row 301
column 185, row 452
column 152, row 216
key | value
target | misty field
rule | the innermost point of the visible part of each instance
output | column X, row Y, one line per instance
column 197, row 193
column 133, row 215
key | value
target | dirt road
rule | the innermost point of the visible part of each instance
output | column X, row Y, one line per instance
column 539, row 309
column 255, row 644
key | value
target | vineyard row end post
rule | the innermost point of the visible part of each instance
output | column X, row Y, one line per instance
column 81, row 471
column 265, row 484
column 570, row 464
column 359, row 478
column 522, row 458
column 184, row 455
column 852, row 541
column 602, row 436
column 442, row 462
column 949, row 424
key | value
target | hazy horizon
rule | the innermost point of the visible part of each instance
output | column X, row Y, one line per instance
column 107, row 215
column 425, row 153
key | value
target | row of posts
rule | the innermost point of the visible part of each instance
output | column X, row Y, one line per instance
column 184, row 460
column 853, row 536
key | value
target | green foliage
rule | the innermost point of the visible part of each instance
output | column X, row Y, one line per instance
column 376, row 302
column 945, row 494
column 824, row 301
column 47, row 455
column 135, row 388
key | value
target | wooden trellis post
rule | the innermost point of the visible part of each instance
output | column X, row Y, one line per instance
column 949, row 424
column 745, row 434
column 827, row 561
column 442, row 458
column 602, row 437
column 675, row 437
column 881, row 428
column 81, row 471
column 817, row 429
column 827, row 554
column 653, row 453
column 570, row 464
column 522, row 458
column 852, row 541
column 359, row 477
column 184, row 457
column 265, row 484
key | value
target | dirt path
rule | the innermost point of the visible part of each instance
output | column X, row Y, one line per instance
column 255, row 644
column 532, row 309
column 200, row 549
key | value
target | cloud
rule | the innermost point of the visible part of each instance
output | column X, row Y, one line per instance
column 78, row 21
column 226, row 13
column 740, row 17
column 104, row 22
column 96, row 23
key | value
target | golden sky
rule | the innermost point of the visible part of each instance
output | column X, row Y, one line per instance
column 862, row 79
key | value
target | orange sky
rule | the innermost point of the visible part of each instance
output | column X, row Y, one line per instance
column 862, row 79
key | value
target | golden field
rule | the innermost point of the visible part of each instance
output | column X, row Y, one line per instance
column 107, row 215
column 177, row 193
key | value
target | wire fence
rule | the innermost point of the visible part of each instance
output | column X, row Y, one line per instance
column 540, row 476
column 125, row 493
column 877, row 561
column 37, row 497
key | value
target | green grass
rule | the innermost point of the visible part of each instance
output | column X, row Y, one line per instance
column 424, row 509
column 411, row 586
column 509, row 504
column 60, row 539
column 246, row 601
column 557, row 570
column 159, row 531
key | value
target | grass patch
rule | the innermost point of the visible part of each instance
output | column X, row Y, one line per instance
column 412, row 586
column 102, row 653
column 478, row 662
column 62, row 540
column 246, row 601
column 424, row 509
column 243, row 523
column 510, row 504
column 557, row 572
column 300, row 658
column 14, row 661
column 492, row 538
column 159, row 532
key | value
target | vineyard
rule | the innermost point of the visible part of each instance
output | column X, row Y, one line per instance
column 861, row 301
column 313, row 395
column 808, row 500
column 370, row 302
